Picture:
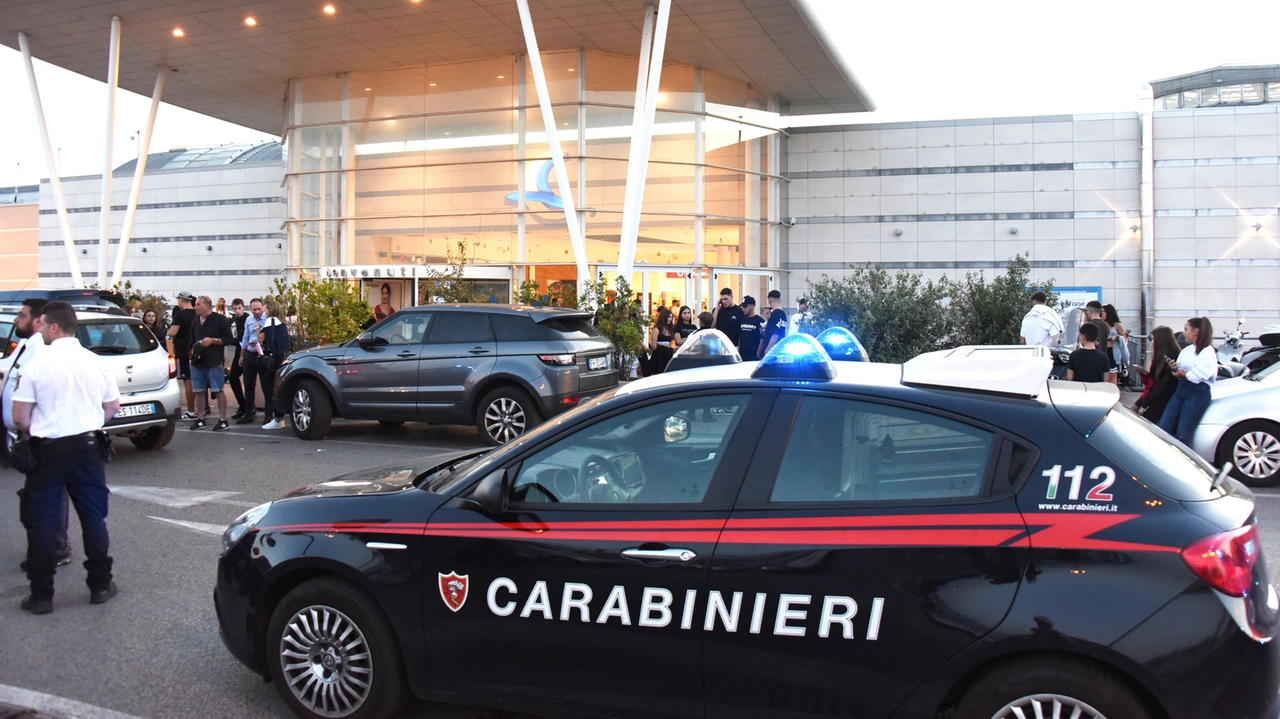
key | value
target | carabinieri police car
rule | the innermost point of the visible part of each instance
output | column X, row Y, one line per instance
column 955, row 537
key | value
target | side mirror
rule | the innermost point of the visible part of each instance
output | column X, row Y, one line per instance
column 494, row 492
column 365, row 339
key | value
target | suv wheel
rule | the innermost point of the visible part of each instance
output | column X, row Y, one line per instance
column 156, row 437
column 312, row 411
column 504, row 414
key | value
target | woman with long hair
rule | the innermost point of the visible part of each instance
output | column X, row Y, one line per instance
column 151, row 319
column 1117, row 344
column 1152, row 403
column 221, row 308
column 686, row 326
column 1196, row 369
column 662, row 341
column 275, row 346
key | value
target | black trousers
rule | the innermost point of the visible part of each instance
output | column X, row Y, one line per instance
column 262, row 369
column 233, row 379
column 61, row 547
column 74, row 467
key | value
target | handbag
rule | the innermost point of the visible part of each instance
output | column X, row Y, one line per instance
column 22, row 456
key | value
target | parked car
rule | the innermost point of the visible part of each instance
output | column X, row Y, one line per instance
column 75, row 297
column 150, row 396
column 1242, row 426
column 503, row 368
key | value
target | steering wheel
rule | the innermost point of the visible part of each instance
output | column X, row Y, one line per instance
column 602, row 480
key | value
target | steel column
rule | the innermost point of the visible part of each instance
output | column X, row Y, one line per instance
column 553, row 142
column 637, row 165
column 131, row 210
column 55, row 183
column 113, row 77
column 1147, row 199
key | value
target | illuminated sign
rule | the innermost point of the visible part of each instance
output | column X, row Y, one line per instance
column 543, row 194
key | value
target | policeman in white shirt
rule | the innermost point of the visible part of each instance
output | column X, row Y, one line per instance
column 1042, row 325
column 27, row 327
column 62, row 401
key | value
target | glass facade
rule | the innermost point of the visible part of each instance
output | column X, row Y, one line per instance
column 1249, row 93
column 399, row 167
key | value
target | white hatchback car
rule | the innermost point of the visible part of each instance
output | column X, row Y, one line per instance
column 150, row 395
column 1242, row 426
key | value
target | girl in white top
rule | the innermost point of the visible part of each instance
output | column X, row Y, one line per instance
column 1196, row 369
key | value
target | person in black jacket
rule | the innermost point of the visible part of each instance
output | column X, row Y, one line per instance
column 210, row 334
column 1152, row 402
column 238, row 317
column 275, row 346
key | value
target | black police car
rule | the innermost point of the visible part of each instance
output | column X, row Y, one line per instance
column 955, row 537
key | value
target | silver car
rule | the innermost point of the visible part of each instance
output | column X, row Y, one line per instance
column 1242, row 426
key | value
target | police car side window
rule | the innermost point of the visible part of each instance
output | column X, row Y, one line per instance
column 664, row 453
column 843, row 450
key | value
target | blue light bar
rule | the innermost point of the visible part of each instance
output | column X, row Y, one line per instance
column 843, row 345
column 797, row 357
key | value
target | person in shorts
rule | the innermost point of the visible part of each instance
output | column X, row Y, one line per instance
column 210, row 334
column 180, row 347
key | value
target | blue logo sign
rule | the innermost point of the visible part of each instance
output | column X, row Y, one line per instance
column 543, row 194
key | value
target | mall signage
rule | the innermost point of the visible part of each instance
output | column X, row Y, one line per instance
column 374, row 271
column 706, row 273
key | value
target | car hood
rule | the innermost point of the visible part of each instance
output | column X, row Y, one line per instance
column 381, row 480
column 331, row 350
column 1233, row 386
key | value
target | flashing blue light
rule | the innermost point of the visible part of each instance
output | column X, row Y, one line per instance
column 797, row 357
column 843, row 345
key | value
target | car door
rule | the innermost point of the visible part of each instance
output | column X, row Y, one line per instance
column 380, row 378
column 587, row 593
column 460, row 353
column 871, row 542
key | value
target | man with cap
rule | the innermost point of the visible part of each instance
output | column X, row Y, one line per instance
column 776, row 328
column 180, row 346
column 751, row 328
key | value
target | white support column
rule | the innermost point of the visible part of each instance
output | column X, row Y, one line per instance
column 522, row 121
column 642, row 133
column 131, row 210
column 553, row 142
column 636, row 147
column 293, row 146
column 775, row 193
column 113, row 77
column 55, row 182
column 1146, row 197
column 347, row 162
column 699, row 190
column 581, row 197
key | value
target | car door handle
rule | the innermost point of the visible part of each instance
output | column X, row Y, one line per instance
column 666, row 555
column 407, row 354
column 705, row 459
column 479, row 351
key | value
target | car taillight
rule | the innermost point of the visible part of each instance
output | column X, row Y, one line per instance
column 173, row 367
column 1225, row 561
column 559, row 360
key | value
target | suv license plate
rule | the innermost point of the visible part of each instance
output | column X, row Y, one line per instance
column 595, row 363
column 136, row 410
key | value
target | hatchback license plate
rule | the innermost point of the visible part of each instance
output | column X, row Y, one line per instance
column 136, row 410
column 595, row 363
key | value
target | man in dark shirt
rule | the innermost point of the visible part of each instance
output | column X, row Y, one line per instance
column 750, row 330
column 180, row 347
column 238, row 318
column 727, row 316
column 210, row 334
column 1088, row 363
column 776, row 328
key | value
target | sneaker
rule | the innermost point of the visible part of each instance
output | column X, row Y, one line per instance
column 198, row 424
column 37, row 605
column 274, row 424
column 104, row 594
column 221, row 425
column 247, row 419
column 188, row 415
column 239, row 413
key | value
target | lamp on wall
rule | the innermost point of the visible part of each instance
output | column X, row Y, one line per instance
column 897, row 232
column 144, row 249
column 1133, row 228
column 1257, row 226
column 1013, row 230
column 209, row 248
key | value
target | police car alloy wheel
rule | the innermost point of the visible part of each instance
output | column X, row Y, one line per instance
column 333, row 656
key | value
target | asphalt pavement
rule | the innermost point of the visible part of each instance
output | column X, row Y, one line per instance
column 154, row 651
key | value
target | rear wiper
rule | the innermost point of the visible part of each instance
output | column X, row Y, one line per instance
column 109, row 349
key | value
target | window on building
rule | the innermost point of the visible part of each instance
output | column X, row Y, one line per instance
column 1169, row 102
column 1229, row 95
column 1209, row 96
column 1252, row 92
column 1191, row 98
column 1273, row 92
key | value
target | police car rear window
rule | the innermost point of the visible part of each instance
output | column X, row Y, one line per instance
column 116, row 338
column 1145, row 451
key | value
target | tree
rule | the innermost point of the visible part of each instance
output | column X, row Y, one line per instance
column 328, row 310
column 991, row 314
column 448, row 286
column 622, row 321
column 895, row 316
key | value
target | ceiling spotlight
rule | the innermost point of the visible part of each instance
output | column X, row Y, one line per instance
column 501, row 77
column 177, row 32
column 572, row 69
column 251, row 21
column 368, row 89
column 433, row 84
column 329, row 9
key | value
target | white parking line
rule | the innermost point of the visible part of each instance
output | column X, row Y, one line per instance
column 243, row 434
column 193, row 526
column 55, row 705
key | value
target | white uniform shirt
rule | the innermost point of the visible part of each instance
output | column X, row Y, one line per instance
column 68, row 385
column 26, row 352
column 1200, row 366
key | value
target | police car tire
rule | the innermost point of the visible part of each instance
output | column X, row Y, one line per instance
column 1265, row 434
column 1077, row 680
column 532, row 417
column 388, row 692
column 156, row 437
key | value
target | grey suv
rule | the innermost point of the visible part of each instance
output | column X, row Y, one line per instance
column 503, row 368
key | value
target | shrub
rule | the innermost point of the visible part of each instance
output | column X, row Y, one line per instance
column 328, row 310
column 618, row 318
column 991, row 314
column 895, row 316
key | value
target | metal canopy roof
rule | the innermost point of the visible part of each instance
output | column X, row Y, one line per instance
column 1213, row 77
column 239, row 73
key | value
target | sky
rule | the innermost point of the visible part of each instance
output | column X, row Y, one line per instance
column 919, row 60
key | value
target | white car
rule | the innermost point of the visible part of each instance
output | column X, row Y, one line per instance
column 1242, row 426
column 150, row 395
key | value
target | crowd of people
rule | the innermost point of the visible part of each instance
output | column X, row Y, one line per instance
column 1176, row 380
column 216, row 346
